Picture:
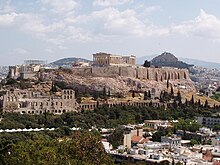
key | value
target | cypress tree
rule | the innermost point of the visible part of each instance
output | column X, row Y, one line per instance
column 145, row 95
column 104, row 93
column 186, row 102
column 172, row 92
column 149, row 94
column 133, row 94
column 192, row 100
column 109, row 92
column 199, row 103
column 206, row 104
column 168, row 82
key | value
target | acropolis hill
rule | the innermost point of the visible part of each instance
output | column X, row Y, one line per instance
column 119, row 74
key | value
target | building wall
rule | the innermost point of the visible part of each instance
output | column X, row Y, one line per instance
column 38, row 103
column 127, row 140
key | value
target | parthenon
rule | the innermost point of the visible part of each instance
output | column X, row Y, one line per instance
column 105, row 59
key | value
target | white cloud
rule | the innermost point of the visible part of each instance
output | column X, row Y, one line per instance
column 61, row 6
column 79, row 34
column 49, row 50
column 62, row 47
column 21, row 51
column 8, row 19
column 111, row 21
column 205, row 25
column 28, row 22
column 150, row 9
column 6, row 7
column 110, row 2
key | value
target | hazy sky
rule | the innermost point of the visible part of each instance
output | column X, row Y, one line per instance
column 53, row 29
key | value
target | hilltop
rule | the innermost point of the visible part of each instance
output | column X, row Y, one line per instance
column 168, row 60
column 195, row 62
column 68, row 61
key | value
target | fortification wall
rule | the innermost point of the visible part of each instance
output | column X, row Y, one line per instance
column 105, row 71
column 127, row 72
column 156, row 74
column 82, row 71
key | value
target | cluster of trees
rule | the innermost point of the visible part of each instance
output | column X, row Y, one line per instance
column 104, row 116
column 216, row 96
column 79, row 148
column 23, row 84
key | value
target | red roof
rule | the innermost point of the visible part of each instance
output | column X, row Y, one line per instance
column 139, row 139
column 144, row 140
column 136, row 138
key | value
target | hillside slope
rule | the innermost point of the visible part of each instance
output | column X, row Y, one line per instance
column 68, row 61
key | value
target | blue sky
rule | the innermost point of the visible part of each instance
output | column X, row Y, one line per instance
column 54, row 29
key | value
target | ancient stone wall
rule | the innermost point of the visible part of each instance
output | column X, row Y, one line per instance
column 105, row 71
column 156, row 74
column 127, row 72
column 82, row 71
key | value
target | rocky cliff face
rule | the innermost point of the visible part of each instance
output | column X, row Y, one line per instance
column 83, row 80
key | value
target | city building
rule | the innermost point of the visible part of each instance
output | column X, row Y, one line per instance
column 156, row 124
column 172, row 140
column 208, row 121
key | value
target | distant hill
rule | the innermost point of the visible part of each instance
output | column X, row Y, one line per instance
column 205, row 64
column 68, row 61
column 167, row 59
column 140, row 60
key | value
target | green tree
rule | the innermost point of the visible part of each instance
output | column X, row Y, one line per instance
column 146, row 64
column 172, row 92
column 157, row 135
column 192, row 100
column 145, row 95
column 193, row 142
column 206, row 104
column 79, row 148
column 116, row 138
column 149, row 94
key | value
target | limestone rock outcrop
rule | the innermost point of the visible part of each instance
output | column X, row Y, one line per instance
column 122, row 79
